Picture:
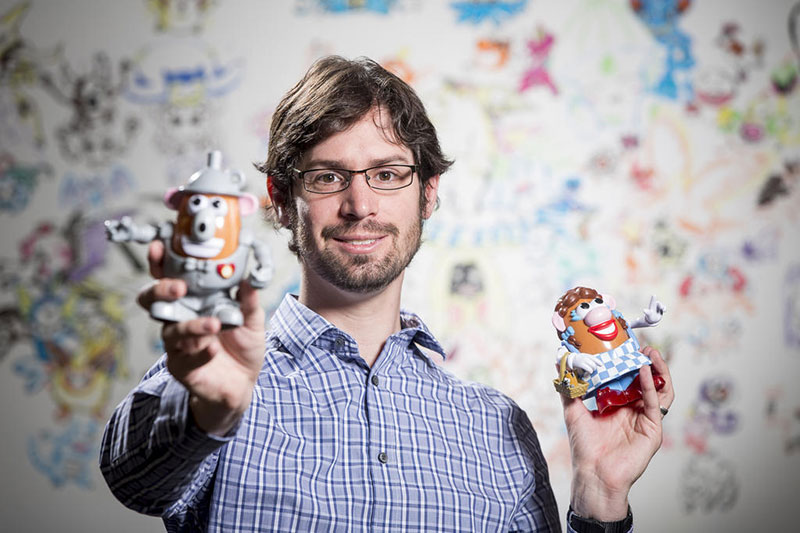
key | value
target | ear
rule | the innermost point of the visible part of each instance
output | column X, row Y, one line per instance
column 172, row 198
column 276, row 199
column 247, row 204
column 609, row 301
column 558, row 322
column 431, row 192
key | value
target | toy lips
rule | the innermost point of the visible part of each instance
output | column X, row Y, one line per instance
column 206, row 246
column 599, row 357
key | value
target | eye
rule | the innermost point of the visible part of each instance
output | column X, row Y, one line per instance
column 197, row 203
column 585, row 305
column 219, row 205
column 385, row 175
column 598, row 301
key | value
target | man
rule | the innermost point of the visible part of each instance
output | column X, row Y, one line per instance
column 347, row 424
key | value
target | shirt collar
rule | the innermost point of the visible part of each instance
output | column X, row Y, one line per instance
column 297, row 327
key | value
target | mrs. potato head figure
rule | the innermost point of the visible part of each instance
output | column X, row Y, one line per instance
column 598, row 345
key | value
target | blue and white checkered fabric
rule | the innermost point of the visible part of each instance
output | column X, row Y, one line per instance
column 330, row 444
column 622, row 360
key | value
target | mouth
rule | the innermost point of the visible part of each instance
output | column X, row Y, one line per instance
column 359, row 244
column 605, row 331
column 204, row 249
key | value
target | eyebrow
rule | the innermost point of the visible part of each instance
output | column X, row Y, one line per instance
column 332, row 163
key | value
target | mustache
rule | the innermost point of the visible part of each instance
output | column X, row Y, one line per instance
column 372, row 226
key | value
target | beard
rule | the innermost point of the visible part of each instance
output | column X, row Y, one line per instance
column 359, row 273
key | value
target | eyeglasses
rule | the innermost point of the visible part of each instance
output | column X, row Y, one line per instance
column 331, row 180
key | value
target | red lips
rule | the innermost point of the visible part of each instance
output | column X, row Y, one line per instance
column 605, row 331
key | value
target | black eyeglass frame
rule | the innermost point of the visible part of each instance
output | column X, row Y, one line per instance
column 351, row 173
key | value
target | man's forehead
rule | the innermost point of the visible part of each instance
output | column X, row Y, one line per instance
column 373, row 131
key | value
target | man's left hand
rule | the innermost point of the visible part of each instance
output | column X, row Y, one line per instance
column 609, row 453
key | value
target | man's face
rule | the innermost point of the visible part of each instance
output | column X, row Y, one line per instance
column 359, row 240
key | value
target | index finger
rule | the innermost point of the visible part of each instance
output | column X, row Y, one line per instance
column 155, row 257
column 165, row 289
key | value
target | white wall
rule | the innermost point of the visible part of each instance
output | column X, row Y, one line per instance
column 576, row 164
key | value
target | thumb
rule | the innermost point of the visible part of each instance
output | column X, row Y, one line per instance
column 251, row 307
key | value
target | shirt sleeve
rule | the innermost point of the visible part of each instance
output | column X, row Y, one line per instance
column 538, row 510
column 153, row 456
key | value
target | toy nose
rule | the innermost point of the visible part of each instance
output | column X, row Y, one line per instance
column 598, row 315
column 203, row 227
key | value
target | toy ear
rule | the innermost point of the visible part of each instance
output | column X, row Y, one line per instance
column 172, row 198
column 247, row 204
column 558, row 322
column 609, row 301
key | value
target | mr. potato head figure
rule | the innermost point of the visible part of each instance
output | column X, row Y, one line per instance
column 599, row 346
column 206, row 246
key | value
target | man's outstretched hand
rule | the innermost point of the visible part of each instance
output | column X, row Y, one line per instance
column 219, row 367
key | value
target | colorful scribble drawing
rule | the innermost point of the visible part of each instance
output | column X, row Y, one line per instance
column 661, row 18
column 64, row 336
column 493, row 52
column 96, row 133
column 537, row 74
column 95, row 189
column 182, row 81
column 497, row 11
column 180, row 16
column 709, row 483
column 711, row 413
column 381, row 7
column 18, row 182
column 20, row 64
column 66, row 454
column 71, row 332
column 745, row 56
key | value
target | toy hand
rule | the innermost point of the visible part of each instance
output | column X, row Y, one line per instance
column 654, row 312
column 583, row 362
column 119, row 230
column 259, row 277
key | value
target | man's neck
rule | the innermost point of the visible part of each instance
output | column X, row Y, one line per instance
column 369, row 318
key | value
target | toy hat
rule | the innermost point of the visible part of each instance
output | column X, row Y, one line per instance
column 210, row 180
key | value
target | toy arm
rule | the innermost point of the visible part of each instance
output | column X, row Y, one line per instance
column 652, row 314
column 125, row 230
column 262, row 274
column 583, row 362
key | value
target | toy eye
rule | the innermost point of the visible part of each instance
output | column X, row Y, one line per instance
column 598, row 301
column 584, row 305
column 197, row 203
column 219, row 205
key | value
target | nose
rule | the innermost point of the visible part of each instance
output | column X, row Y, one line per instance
column 203, row 227
column 359, row 199
column 598, row 315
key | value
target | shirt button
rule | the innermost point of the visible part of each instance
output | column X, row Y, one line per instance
column 375, row 380
column 339, row 342
column 383, row 458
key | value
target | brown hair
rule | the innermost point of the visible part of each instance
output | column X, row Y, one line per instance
column 334, row 94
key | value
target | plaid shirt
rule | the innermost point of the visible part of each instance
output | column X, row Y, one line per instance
column 330, row 444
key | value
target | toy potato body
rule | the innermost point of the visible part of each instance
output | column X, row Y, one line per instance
column 606, row 351
column 205, row 247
